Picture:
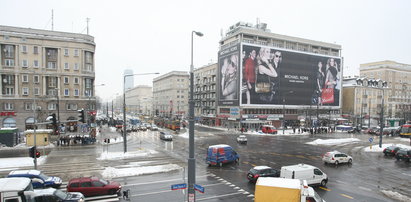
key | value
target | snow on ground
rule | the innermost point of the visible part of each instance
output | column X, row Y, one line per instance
column 184, row 135
column 396, row 195
column 111, row 172
column 24, row 146
column 15, row 163
column 376, row 148
column 113, row 141
column 122, row 155
column 333, row 141
column 403, row 139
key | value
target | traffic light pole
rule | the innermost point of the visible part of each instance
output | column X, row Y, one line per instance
column 34, row 133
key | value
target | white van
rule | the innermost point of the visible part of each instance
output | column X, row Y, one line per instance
column 312, row 174
column 14, row 189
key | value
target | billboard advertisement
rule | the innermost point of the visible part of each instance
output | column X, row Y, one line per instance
column 273, row 76
column 229, row 76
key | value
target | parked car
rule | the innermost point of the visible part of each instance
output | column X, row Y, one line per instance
column 92, row 186
column 336, row 157
column 391, row 150
column 261, row 171
column 403, row 154
column 51, row 194
column 166, row 136
column 38, row 179
column 221, row 154
column 242, row 139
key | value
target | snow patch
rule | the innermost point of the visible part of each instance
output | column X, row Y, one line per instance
column 376, row 148
column 396, row 195
column 122, row 155
column 111, row 172
column 15, row 163
column 333, row 141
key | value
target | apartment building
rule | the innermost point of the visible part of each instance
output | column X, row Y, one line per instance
column 139, row 100
column 171, row 94
column 205, row 93
column 44, row 72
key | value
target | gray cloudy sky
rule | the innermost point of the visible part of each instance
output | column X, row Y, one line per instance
column 155, row 35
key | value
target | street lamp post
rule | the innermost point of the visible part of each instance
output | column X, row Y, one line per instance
column 191, row 159
column 124, row 107
column 289, row 92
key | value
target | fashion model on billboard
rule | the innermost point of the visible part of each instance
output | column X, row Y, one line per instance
column 331, row 89
column 266, row 74
column 229, row 77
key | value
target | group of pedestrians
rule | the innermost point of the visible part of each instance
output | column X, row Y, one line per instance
column 74, row 140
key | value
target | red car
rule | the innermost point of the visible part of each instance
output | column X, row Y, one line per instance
column 92, row 186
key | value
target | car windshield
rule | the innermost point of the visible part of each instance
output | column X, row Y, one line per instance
column 105, row 182
column 60, row 194
column 44, row 176
column 254, row 171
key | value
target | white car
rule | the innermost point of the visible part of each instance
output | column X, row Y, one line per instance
column 336, row 157
column 242, row 139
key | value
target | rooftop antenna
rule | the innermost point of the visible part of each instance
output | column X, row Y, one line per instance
column 52, row 19
column 258, row 22
column 88, row 19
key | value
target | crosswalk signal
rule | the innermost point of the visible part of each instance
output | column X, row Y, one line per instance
column 32, row 152
column 37, row 154
column 54, row 119
column 81, row 116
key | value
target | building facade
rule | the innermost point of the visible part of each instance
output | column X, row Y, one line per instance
column 205, row 93
column 44, row 72
column 170, row 94
column 251, row 93
column 139, row 100
column 398, row 94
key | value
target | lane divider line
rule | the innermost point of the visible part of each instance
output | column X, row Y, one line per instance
column 347, row 196
column 323, row 188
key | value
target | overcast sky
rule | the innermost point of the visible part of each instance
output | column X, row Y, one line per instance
column 155, row 35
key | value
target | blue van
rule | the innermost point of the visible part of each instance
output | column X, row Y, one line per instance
column 221, row 154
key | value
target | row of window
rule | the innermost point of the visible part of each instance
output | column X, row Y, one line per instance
column 36, row 91
column 24, row 49
column 50, row 65
column 36, row 79
column 31, row 106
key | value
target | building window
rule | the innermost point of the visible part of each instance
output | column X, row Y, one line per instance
column 25, row 91
column 66, row 92
column 76, row 52
column 66, row 52
column 28, row 106
column 76, row 80
column 51, row 65
column 36, row 78
column 89, row 61
column 76, row 92
column 8, row 106
column 24, row 49
column 36, row 91
column 36, row 50
column 52, row 106
column 52, row 82
column 8, row 51
column 9, row 62
column 66, row 65
column 71, row 106
column 8, row 91
column 36, row 63
column 25, row 78
column 24, row 63
column 51, row 58
column 66, row 80
column 76, row 66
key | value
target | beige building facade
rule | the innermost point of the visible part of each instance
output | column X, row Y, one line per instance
column 139, row 100
column 49, row 71
column 171, row 94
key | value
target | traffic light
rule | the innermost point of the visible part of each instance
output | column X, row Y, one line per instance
column 32, row 150
column 37, row 154
column 81, row 116
column 54, row 119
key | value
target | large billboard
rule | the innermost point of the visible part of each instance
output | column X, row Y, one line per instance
column 272, row 77
column 229, row 76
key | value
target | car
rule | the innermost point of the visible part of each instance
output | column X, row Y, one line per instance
column 268, row 129
column 39, row 179
column 261, row 171
column 403, row 154
column 336, row 157
column 391, row 150
column 92, row 186
column 52, row 194
column 154, row 127
column 242, row 139
column 166, row 136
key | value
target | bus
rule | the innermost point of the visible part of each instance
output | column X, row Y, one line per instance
column 405, row 130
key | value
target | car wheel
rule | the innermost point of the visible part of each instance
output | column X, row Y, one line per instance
column 111, row 191
column 237, row 160
column 336, row 163
column 350, row 161
column 323, row 183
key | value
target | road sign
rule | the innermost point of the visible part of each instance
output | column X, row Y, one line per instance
column 178, row 186
column 370, row 139
column 199, row 188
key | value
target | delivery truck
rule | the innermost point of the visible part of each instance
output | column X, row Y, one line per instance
column 272, row 189
column 312, row 174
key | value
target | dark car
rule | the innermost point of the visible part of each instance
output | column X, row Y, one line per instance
column 166, row 136
column 51, row 194
column 92, row 186
column 262, row 171
column 38, row 179
column 403, row 154
column 391, row 150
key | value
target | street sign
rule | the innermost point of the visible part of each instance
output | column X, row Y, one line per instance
column 371, row 139
column 199, row 188
column 178, row 186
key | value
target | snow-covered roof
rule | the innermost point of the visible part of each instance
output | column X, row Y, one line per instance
column 14, row 184
column 279, row 182
column 299, row 167
column 38, row 131
column 33, row 172
column 261, row 167
column 219, row 146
